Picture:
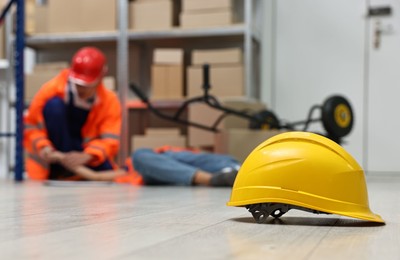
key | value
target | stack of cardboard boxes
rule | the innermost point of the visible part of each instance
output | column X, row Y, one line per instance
column 226, row 78
column 206, row 115
column 101, row 15
column 226, row 72
column 227, row 84
column 167, row 74
column 206, row 13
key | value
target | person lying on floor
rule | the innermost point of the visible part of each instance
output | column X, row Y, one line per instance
column 167, row 166
column 180, row 166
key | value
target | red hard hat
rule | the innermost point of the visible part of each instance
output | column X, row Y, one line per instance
column 88, row 66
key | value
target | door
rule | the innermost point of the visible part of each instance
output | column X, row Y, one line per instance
column 383, row 94
column 319, row 49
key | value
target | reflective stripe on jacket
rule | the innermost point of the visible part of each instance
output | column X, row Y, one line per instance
column 101, row 131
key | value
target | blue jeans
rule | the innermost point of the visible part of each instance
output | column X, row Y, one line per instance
column 63, row 124
column 178, row 168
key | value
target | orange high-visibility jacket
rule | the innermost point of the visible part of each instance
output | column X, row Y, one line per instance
column 101, row 131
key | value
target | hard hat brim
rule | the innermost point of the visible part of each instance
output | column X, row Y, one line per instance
column 83, row 80
column 314, row 202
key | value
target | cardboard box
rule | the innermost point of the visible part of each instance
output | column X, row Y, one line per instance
column 2, row 35
column 42, row 73
column 151, row 15
column 33, row 82
column 30, row 10
column 162, row 131
column 168, row 56
column 201, row 114
column 196, row 5
column 143, row 141
column 207, row 19
column 226, row 81
column 217, row 56
column 59, row 12
column 41, row 19
column 244, row 105
column 167, row 81
column 206, row 115
column 240, row 142
column 54, row 67
column 98, row 15
column 2, row 43
column 81, row 16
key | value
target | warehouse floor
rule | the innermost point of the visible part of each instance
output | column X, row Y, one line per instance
column 126, row 222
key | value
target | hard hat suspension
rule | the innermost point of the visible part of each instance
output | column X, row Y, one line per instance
column 261, row 211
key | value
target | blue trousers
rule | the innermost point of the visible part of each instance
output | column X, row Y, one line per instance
column 63, row 124
column 178, row 168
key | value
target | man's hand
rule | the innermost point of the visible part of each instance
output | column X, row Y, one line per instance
column 71, row 160
column 50, row 155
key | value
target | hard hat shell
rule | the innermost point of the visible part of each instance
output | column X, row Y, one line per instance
column 305, row 170
column 88, row 66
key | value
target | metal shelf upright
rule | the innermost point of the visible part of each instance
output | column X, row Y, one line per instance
column 18, row 57
column 19, row 81
column 123, row 75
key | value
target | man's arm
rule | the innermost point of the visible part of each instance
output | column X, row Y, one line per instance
column 85, row 172
column 106, row 144
column 91, row 175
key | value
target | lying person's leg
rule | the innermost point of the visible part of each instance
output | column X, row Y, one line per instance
column 182, row 168
column 160, row 169
column 223, row 168
column 210, row 162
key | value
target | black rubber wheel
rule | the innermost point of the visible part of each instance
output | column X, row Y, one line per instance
column 264, row 119
column 337, row 116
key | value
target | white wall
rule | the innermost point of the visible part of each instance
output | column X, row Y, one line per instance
column 313, row 49
column 383, row 90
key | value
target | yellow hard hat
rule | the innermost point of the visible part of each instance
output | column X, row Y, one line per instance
column 304, row 171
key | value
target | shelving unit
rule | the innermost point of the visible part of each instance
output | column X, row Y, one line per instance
column 247, row 34
column 17, row 104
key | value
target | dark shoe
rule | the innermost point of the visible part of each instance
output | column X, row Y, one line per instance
column 224, row 179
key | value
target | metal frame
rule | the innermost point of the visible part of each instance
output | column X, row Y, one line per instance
column 123, row 75
column 19, row 80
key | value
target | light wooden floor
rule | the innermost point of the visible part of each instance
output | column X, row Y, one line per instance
column 126, row 222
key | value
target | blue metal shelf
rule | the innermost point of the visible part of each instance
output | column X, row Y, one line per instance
column 19, row 80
